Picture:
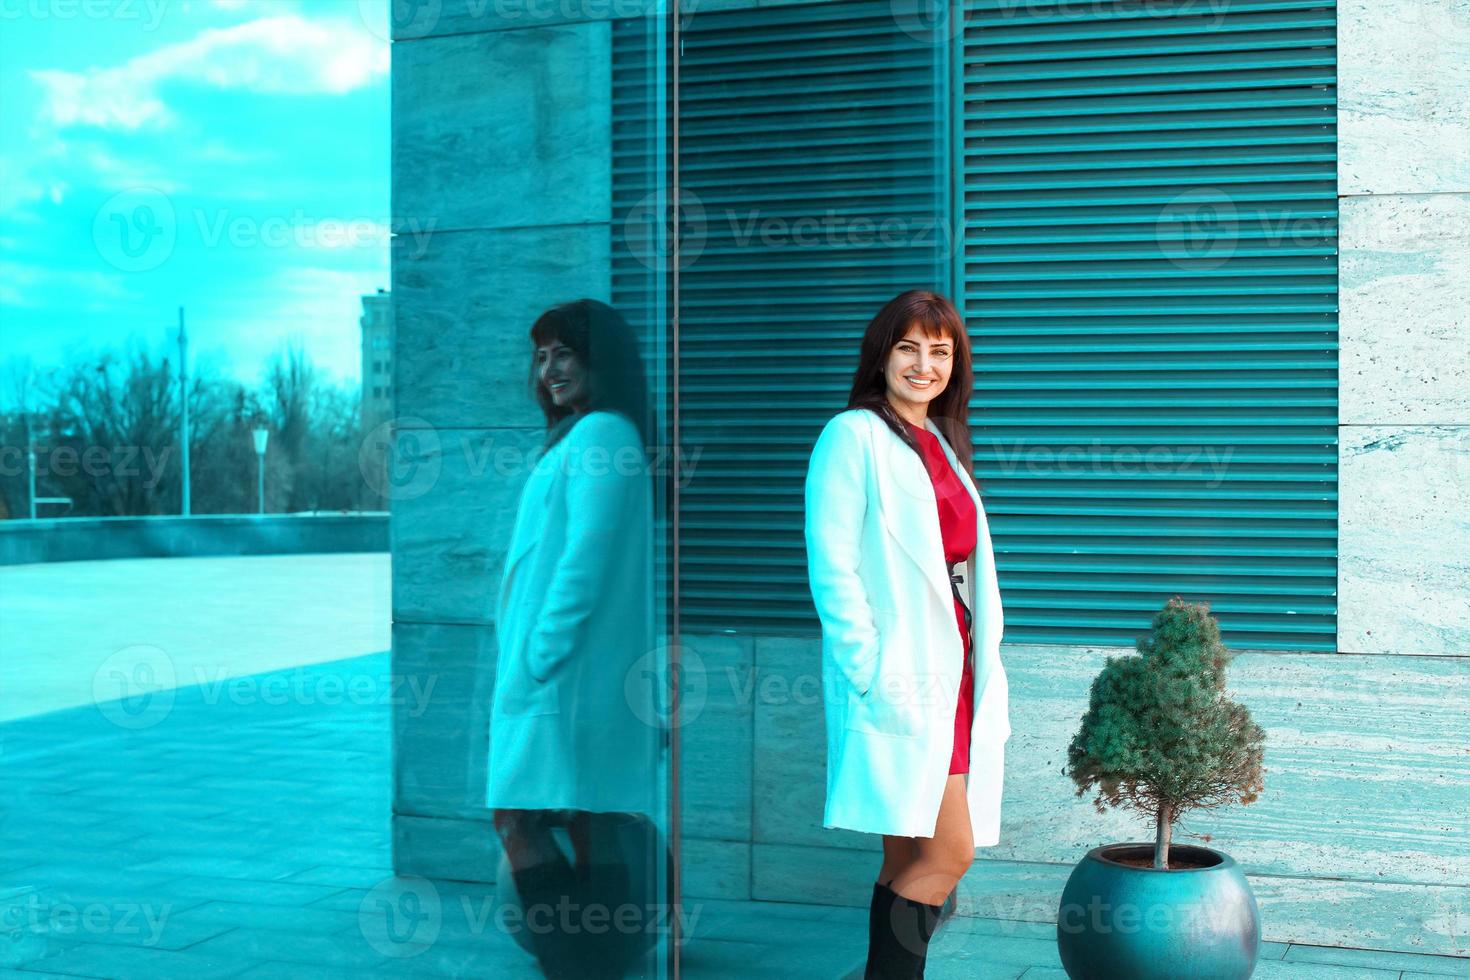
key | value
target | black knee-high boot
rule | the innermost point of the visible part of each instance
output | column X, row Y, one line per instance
column 900, row 932
column 543, row 888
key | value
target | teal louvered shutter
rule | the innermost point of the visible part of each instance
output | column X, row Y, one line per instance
column 813, row 161
column 1149, row 275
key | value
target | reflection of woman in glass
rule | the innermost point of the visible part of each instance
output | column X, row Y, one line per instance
column 574, row 740
column 916, row 725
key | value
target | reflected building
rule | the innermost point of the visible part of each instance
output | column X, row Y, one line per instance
column 377, row 358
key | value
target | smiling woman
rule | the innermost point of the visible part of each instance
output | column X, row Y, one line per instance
column 915, row 728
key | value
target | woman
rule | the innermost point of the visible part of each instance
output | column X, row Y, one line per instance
column 574, row 744
column 916, row 694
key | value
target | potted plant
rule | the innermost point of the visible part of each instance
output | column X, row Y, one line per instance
column 1161, row 737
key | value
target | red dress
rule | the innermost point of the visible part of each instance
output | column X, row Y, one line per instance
column 957, row 528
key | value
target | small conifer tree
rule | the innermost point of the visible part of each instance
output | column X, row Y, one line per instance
column 1159, row 735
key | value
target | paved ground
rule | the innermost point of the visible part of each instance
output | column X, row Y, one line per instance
column 240, row 829
column 159, row 622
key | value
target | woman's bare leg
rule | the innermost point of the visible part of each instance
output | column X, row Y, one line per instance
column 898, row 853
column 526, row 839
column 943, row 859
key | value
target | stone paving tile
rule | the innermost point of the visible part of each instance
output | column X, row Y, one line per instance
column 203, row 889
column 725, row 958
column 214, row 866
column 1281, row 970
column 1447, row 966
column 81, row 887
column 135, row 963
column 299, row 971
column 343, row 877
column 281, row 918
column 354, row 952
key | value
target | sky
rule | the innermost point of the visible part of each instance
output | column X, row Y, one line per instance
column 227, row 156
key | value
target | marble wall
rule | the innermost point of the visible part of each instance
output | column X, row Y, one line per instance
column 1404, row 326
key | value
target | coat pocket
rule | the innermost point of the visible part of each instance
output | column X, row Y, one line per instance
column 525, row 697
column 878, row 713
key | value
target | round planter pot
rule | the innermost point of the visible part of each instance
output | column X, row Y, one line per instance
column 1197, row 921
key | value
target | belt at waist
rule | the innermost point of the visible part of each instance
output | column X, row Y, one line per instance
column 954, row 587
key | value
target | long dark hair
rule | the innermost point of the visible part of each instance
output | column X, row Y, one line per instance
column 607, row 348
column 937, row 318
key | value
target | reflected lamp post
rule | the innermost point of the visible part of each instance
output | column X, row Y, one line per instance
column 185, row 507
column 261, row 435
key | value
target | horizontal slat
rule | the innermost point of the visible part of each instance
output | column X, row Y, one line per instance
column 1150, row 268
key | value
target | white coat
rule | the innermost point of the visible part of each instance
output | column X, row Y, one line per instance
column 891, row 652
column 574, row 721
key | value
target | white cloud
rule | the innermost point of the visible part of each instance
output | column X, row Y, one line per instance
column 17, row 188
column 116, row 174
column 280, row 55
column 35, row 286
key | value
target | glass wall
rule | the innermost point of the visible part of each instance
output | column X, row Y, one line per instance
column 535, row 333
